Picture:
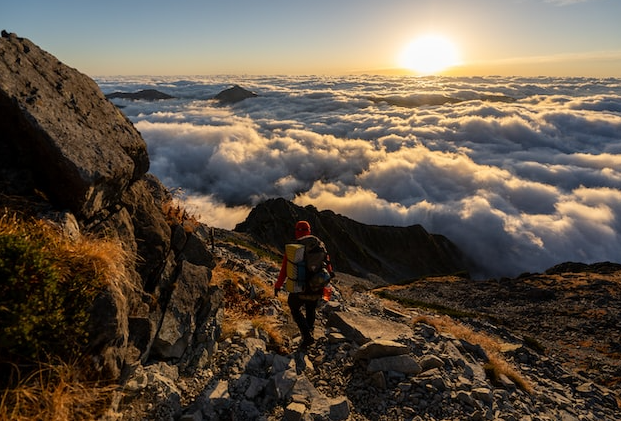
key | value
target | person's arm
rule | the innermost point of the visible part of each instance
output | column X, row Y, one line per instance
column 282, row 275
column 329, row 266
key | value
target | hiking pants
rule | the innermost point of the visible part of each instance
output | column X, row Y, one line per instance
column 305, row 322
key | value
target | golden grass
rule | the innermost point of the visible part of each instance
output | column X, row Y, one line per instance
column 240, row 309
column 55, row 392
column 176, row 214
column 493, row 347
column 59, row 386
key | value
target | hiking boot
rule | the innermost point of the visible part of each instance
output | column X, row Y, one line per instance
column 308, row 341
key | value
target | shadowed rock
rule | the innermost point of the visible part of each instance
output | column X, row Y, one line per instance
column 78, row 146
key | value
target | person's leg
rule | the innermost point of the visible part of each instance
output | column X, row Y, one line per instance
column 295, row 304
column 310, row 306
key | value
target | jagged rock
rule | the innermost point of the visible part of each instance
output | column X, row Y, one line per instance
column 294, row 412
column 78, row 147
column 184, row 313
column 429, row 362
column 362, row 329
column 380, row 348
column 219, row 396
column 283, row 382
column 331, row 408
column 234, row 95
column 61, row 138
column 151, row 230
column 146, row 94
column 195, row 251
column 393, row 253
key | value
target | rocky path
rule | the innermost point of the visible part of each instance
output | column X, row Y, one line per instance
column 371, row 361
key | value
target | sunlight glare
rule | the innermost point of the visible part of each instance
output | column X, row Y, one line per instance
column 429, row 54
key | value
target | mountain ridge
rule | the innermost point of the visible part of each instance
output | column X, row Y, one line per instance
column 389, row 252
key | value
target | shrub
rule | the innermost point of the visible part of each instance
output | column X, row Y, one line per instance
column 47, row 284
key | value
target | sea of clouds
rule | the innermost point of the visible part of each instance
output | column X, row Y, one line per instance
column 521, row 174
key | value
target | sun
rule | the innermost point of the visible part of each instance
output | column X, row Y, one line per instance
column 429, row 54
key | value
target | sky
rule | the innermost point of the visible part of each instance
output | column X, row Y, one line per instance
column 321, row 37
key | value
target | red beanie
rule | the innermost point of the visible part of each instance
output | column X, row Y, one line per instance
column 302, row 228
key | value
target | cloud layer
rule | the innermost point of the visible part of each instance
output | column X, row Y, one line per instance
column 521, row 174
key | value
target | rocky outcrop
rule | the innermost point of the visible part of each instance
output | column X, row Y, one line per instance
column 143, row 94
column 70, row 151
column 392, row 253
column 76, row 145
column 234, row 94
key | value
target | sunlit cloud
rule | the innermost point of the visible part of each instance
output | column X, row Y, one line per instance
column 522, row 174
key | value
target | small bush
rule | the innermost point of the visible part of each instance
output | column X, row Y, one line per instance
column 47, row 284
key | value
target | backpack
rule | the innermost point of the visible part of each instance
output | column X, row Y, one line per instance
column 307, row 262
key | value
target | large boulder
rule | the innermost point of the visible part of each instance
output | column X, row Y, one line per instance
column 79, row 148
column 70, row 151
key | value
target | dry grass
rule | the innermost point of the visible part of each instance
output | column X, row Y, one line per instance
column 177, row 214
column 497, row 365
column 246, row 301
column 55, row 392
column 45, row 319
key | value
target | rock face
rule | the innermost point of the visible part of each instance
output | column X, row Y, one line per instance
column 80, row 149
column 393, row 253
column 62, row 140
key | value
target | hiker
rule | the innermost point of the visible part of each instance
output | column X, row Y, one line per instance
column 306, row 298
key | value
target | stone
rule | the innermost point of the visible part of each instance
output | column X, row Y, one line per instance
column 380, row 348
column 196, row 251
column 256, row 387
column 281, row 363
column 483, row 394
column 254, row 344
column 429, row 362
column 219, row 395
column 283, row 382
column 187, row 308
column 474, row 349
column 363, row 328
column 378, row 380
column 505, row 382
column 151, row 231
column 304, row 388
column 294, row 411
column 399, row 363
column 335, row 337
column 340, row 409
